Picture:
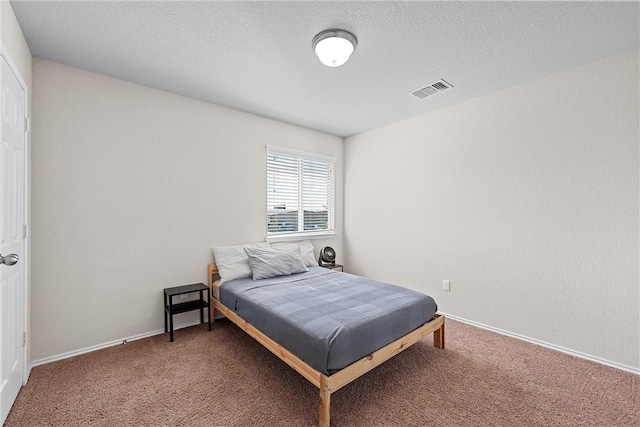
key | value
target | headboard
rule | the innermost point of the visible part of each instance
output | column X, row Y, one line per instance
column 213, row 274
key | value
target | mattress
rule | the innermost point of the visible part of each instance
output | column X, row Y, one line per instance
column 327, row 318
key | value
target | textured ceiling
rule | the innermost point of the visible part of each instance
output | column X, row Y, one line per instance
column 257, row 56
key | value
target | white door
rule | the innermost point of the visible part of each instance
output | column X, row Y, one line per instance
column 12, row 207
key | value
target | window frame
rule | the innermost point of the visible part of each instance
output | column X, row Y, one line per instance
column 303, row 234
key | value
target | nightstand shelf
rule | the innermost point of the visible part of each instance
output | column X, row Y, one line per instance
column 337, row 267
column 183, row 307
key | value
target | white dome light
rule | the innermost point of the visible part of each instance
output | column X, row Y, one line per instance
column 334, row 47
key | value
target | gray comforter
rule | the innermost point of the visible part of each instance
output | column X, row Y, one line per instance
column 327, row 318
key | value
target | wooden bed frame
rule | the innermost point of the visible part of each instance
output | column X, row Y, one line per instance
column 329, row 384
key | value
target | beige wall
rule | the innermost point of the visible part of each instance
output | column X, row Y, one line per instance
column 526, row 200
column 15, row 48
column 131, row 187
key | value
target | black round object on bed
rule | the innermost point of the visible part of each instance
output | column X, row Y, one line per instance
column 327, row 256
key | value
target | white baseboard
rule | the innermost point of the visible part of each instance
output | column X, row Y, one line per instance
column 568, row 351
column 107, row 344
column 450, row 316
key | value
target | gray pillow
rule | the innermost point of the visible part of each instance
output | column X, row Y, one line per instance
column 232, row 261
column 306, row 250
column 271, row 262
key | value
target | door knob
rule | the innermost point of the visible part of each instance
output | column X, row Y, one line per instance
column 9, row 259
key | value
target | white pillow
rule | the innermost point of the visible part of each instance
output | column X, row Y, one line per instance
column 233, row 262
column 306, row 251
column 266, row 263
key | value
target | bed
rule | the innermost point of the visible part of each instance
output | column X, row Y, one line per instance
column 308, row 335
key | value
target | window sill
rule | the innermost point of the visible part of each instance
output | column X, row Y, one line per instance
column 302, row 236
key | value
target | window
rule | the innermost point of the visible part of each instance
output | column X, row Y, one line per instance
column 300, row 192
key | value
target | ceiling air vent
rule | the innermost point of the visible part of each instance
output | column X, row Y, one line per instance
column 431, row 89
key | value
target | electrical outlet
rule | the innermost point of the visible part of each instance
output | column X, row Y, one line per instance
column 446, row 285
column 184, row 296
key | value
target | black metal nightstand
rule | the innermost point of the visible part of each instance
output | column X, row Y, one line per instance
column 170, row 308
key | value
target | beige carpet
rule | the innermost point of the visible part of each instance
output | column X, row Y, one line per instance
column 225, row 378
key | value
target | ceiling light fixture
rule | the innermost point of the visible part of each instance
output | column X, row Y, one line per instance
column 334, row 47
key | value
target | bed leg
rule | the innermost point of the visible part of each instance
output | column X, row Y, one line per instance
column 325, row 402
column 438, row 337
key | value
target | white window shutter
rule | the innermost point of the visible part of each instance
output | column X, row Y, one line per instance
column 300, row 192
